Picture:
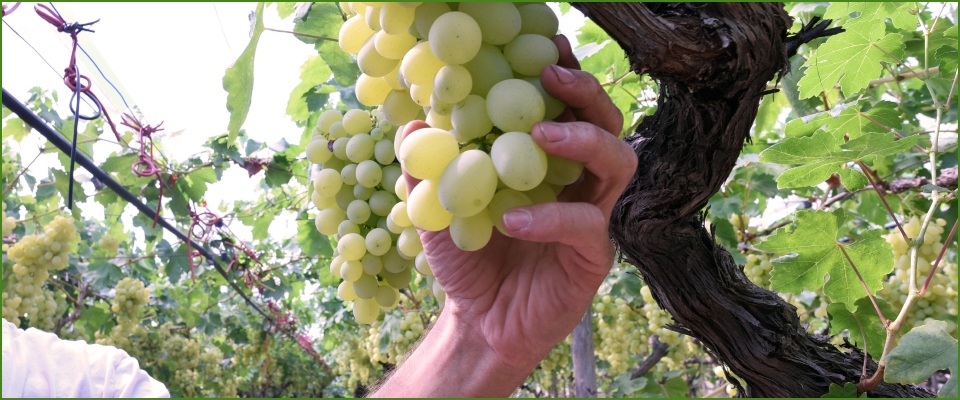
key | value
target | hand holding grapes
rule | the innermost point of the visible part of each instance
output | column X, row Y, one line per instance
column 509, row 303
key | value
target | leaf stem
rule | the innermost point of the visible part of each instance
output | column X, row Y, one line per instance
column 865, row 288
column 933, row 270
column 866, row 171
column 13, row 182
column 301, row 34
column 863, row 336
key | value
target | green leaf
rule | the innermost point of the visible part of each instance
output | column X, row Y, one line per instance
column 948, row 60
column 175, row 262
column 285, row 9
column 62, row 183
column 863, row 320
column 823, row 153
column 311, row 241
column 874, row 13
column 194, row 184
column 313, row 73
column 848, row 391
column 852, row 120
column 15, row 128
column 262, row 225
column 791, row 90
column 102, row 274
column 851, row 59
column 921, row 352
column 238, row 81
column 813, row 252
column 324, row 20
column 853, row 179
column 623, row 386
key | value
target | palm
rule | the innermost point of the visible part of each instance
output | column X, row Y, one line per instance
column 513, row 289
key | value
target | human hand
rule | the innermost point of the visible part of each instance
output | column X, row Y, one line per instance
column 523, row 293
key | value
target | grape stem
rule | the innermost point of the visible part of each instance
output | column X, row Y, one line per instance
column 13, row 182
column 867, row 172
column 865, row 288
column 420, row 312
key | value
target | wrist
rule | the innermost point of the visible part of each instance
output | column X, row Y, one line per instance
column 456, row 360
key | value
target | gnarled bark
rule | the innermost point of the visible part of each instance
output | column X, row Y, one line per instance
column 713, row 62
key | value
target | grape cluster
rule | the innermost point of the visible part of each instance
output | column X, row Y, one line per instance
column 8, row 222
column 400, row 330
column 940, row 300
column 130, row 295
column 471, row 71
column 194, row 373
column 758, row 269
column 359, row 192
column 109, row 243
column 621, row 333
column 35, row 257
column 656, row 320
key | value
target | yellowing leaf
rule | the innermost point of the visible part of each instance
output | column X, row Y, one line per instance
column 238, row 81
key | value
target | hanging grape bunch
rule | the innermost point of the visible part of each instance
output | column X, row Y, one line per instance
column 472, row 73
column 357, row 189
column 476, row 161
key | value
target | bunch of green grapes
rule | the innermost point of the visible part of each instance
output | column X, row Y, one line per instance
column 109, row 243
column 621, row 334
column 400, row 329
column 940, row 300
column 471, row 71
column 680, row 346
column 758, row 269
column 135, row 340
column 130, row 295
column 35, row 257
column 352, row 362
column 558, row 362
column 359, row 192
column 8, row 222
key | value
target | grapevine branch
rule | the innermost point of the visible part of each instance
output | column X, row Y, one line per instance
column 13, row 182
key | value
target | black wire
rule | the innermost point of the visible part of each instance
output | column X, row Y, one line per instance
column 39, row 125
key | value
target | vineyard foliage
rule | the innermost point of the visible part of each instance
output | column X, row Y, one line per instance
column 841, row 202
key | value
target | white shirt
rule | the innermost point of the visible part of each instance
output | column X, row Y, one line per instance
column 40, row 364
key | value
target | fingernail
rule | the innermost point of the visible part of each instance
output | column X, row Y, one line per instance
column 563, row 75
column 516, row 220
column 553, row 131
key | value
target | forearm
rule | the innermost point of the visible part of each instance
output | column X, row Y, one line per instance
column 453, row 360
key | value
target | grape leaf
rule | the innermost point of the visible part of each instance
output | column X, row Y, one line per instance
column 874, row 13
column 851, row 59
column 324, row 20
column 813, row 252
column 948, row 60
column 285, row 9
column 791, row 91
column 847, row 391
column 852, row 179
column 313, row 73
column 15, row 128
column 823, row 153
column 921, row 352
column 863, row 320
column 849, row 119
column 194, row 184
column 238, row 81
column 262, row 225
column 311, row 241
